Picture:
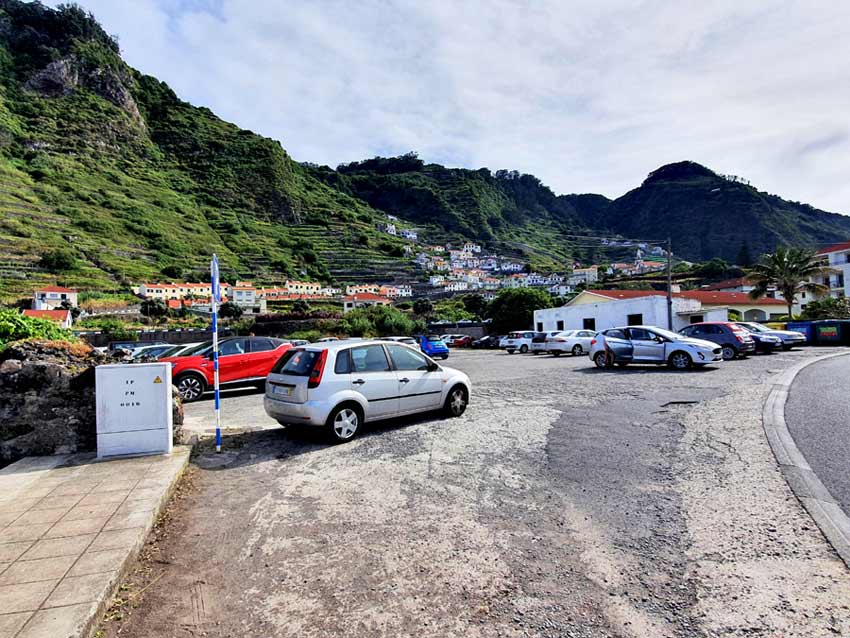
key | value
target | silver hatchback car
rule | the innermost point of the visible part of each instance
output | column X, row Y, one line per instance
column 340, row 385
column 648, row 344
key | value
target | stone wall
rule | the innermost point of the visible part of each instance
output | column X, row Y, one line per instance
column 47, row 399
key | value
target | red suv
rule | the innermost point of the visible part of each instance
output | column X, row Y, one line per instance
column 241, row 361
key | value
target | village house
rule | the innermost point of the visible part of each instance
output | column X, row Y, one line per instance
column 436, row 280
column 62, row 317
column 363, row 300
column 303, row 287
column 52, row 297
column 362, row 289
column 409, row 234
column 510, row 266
column 469, row 247
column 838, row 258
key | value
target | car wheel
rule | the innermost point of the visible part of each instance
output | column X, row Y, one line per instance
column 577, row 350
column 603, row 360
column 786, row 346
column 729, row 352
column 523, row 349
column 680, row 360
column 556, row 353
column 535, row 352
column 344, row 423
column 456, row 401
column 511, row 351
column 445, row 356
column 191, row 387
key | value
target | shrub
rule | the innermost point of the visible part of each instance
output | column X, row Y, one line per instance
column 14, row 326
column 59, row 260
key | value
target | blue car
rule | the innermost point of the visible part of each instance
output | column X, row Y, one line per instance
column 433, row 346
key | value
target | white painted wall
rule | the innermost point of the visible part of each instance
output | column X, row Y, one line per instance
column 611, row 314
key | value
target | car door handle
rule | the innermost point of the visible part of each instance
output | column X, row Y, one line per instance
column 405, row 380
column 358, row 382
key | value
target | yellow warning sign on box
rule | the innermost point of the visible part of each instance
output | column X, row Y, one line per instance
column 157, row 380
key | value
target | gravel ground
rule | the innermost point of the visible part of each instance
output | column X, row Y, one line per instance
column 567, row 501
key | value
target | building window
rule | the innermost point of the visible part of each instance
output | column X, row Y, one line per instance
column 697, row 319
column 802, row 295
column 539, row 326
column 588, row 323
column 634, row 320
column 560, row 325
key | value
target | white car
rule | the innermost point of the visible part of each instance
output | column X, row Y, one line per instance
column 517, row 341
column 538, row 342
column 340, row 385
column 648, row 344
column 576, row 342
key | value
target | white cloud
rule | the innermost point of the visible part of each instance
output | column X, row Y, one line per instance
column 588, row 96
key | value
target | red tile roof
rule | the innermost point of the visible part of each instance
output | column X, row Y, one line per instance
column 52, row 315
column 703, row 296
column 831, row 249
column 728, row 298
column 55, row 289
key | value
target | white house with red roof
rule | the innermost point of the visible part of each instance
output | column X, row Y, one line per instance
column 62, row 317
column 603, row 309
column 52, row 297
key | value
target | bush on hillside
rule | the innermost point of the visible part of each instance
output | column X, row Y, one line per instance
column 57, row 261
column 14, row 326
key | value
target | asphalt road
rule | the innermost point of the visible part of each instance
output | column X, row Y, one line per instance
column 567, row 501
column 818, row 416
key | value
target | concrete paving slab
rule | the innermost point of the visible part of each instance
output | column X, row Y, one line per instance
column 59, row 622
column 10, row 624
column 68, row 528
column 31, row 571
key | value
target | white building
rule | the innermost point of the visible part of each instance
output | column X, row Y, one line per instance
column 560, row 290
column 510, row 266
column 471, row 248
column 61, row 316
column 363, row 300
column 838, row 258
column 390, row 229
column 405, row 290
column 603, row 309
column 457, row 286
column 52, row 297
column 409, row 234
column 436, row 280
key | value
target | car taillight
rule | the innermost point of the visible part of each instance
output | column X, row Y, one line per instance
column 740, row 338
column 593, row 342
column 561, row 340
column 318, row 370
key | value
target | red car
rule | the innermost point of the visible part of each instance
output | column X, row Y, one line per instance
column 462, row 341
column 241, row 361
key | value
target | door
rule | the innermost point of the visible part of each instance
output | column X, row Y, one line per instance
column 648, row 346
column 233, row 360
column 372, row 377
column 419, row 389
column 262, row 356
column 617, row 342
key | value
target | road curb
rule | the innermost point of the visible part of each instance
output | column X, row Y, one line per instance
column 807, row 487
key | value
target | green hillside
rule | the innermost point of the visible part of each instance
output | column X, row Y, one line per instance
column 107, row 164
column 108, row 178
column 709, row 215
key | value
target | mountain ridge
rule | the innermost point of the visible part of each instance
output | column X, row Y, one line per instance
column 110, row 165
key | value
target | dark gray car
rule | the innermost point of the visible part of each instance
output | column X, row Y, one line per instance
column 734, row 340
column 789, row 338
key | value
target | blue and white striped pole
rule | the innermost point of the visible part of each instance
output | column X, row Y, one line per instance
column 215, row 300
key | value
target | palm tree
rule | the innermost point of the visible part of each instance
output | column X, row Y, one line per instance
column 789, row 271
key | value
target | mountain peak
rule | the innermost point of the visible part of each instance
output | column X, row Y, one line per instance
column 678, row 171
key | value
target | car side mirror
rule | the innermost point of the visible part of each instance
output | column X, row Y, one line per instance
column 433, row 367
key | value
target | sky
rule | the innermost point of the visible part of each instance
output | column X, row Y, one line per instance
column 588, row 96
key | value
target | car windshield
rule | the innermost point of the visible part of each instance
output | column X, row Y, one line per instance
column 672, row 336
column 755, row 327
column 201, row 348
column 434, row 339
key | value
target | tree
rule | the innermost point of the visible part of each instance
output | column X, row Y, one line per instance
column 301, row 307
column 829, row 308
column 744, row 258
column 423, row 307
column 475, row 304
column 789, row 271
column 59, row 260
column 513, row 309
column 153, row 308
column 74, row 310
column 229, row 310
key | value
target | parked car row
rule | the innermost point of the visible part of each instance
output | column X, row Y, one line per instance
column 556, row 342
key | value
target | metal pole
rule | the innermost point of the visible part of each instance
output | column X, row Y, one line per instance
column 669, row 284
column 214, row 299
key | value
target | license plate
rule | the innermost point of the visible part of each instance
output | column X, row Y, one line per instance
column 285, row 390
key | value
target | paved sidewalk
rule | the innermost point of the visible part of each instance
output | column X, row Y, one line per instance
column 68, row 526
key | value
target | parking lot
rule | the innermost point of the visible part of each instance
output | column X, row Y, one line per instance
column 567, row 501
